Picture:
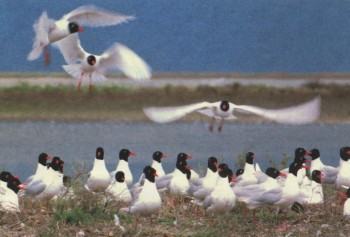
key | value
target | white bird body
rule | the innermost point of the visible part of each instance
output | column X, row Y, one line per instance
column 223, row 110
column 159, row 168
column 123, row 166
column 118, row 56
column 120, row 192
column 49, row 187
column 222, row 199
column 9, row 201
column 311, row 194
column 330, row 172
column 179, row 184
column 206, row 185
column 346, row 208
column 99, row 178
column 147, row 201
column 49, row 31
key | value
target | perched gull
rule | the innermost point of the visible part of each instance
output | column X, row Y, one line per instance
column 330, row 172
column 118, row 189
column 148, row 201
column 98, row 178
column 123, row 165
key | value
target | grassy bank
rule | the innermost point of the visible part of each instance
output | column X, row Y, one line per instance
column 26, row 102
column 93, row 215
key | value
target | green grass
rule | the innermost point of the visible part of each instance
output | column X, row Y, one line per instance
column 27, row 102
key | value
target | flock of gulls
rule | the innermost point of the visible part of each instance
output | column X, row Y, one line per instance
column 217, row 191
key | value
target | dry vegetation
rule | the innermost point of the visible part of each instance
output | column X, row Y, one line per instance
column 93, row 215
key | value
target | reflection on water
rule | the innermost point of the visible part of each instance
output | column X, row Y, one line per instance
column 22, row 142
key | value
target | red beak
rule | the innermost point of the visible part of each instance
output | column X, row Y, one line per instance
column 21, row 186
column 308, row 153
column 233, row 180
column 282, row 174
column 155, row 175
column 80, row 29
column 307, row 160
column 164, row 156
column 188, row 167
column 189, row 156
column 219, row 170
column 304, row 166
column 49, row 158
column 132, row 153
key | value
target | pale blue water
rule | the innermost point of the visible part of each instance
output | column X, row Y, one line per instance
column 197, row 35
column 22, row 142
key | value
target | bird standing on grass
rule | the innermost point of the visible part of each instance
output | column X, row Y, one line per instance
column 222, row 199
column 8, row 197
column 330, row 172
column 148, row 201
column 48, row 31
column 123, row 165
column 118, row 189
column 99, row 178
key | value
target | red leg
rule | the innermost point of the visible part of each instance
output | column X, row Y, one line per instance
column 80, row 81
column 90, row 83
column 47, row 58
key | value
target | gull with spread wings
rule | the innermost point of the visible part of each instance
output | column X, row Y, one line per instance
column 307, row 112
column 48, row 30
column 118, row 56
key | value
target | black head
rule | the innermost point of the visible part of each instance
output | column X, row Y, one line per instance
column 300, row 152
column 14, row 184
column 224, row 105
column 249, row 157
column 239, row 172
column 348, row 193
column 183, row 167
column 213, row 164
column 5, row 176
column 91, row 60
column 223, row 170
column 294, row 168
column 60, row 166
column 100, row 153
column 158, row 155
column 345, row 153
column 43, row 158
column 67, row 181
column 183, row 156
column 73, row 27
column 120, row 177
column 272, row 172
column 150, row 173
column 316, row 176
column 315, row 153
column 125, row 153
column 55, row 164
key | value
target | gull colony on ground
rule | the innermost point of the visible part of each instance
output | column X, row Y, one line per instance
column 217, row 191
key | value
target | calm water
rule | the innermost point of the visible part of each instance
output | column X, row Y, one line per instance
column 22, row 142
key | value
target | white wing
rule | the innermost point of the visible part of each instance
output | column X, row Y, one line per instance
column 300, row 114
column 93, row 16
column 71, row 49
column 170, row 114
column 41, row 29
column 127, row 61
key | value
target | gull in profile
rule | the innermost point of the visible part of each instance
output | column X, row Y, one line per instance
column 48, row 31
column 304, row 113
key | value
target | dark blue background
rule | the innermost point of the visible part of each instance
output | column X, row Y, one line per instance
column 198, row 35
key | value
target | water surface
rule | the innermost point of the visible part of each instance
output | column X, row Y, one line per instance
column 22, row 142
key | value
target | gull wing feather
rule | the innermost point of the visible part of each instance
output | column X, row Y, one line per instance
column 41, row 29
column 307, row 112
column 170, row 114
column 127, row 61
column 35, row 188
column 71, row 49
column 93, row 16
